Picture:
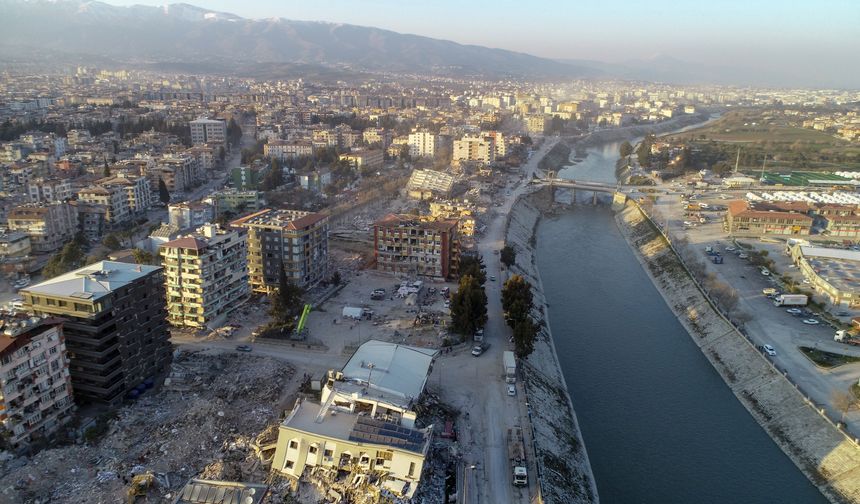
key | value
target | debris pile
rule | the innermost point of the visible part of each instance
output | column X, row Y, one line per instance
column 216, row 414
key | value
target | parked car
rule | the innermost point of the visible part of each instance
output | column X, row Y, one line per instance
column 769, row 350
column 492, row 278
column 743, row 256
column 811, row 321
column 477, row 350
column 794, row 311
column 243, row 348
column 730, row 249
column 512, row 390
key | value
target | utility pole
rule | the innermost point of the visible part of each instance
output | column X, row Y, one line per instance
column 737, row 160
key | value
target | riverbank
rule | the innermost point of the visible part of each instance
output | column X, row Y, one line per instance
column 829, row 459
column 631, row 132
column 564, row 472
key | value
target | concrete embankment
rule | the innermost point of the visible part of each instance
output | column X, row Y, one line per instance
column 564, row 472
column 829, row 458
column 631, row 132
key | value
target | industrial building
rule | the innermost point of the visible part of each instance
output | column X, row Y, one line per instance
column 115, row 329
column 833, row 273
column 743, row 220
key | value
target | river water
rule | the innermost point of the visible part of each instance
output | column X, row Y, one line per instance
column 659, row 423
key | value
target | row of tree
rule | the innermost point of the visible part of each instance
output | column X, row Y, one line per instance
column 469, row 303
column 517, row 303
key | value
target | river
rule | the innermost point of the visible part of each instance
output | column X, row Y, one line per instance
column 659, row 423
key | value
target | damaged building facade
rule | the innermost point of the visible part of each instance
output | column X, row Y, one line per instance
column 364, row 423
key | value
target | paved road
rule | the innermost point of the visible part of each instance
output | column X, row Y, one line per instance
column 476, row 385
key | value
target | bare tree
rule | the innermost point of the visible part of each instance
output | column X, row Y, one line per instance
column 844, row 401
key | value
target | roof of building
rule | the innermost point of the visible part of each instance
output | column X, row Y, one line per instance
column 394, row 370
column 739, row 208
column 186, row 242
column 430, row 180
column 339, row 424
column 838, row 267
column 17, row 329
column 411, row 220
column 93, row 281
column 200, row 491
column 287, row 219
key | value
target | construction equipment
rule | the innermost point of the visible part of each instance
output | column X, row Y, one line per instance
column 301, row 333
column 140, row 485
column 517, row 457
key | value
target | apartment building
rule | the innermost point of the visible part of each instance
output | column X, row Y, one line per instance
column 35, row 387
column 365, row 422
column 206, row 156
column 115, row 327
column 205, row 131
column 463, row 213
column 537, row 124
column 14, row 245
column 364, row 158
column 423, row 144
column 292, row 239
column 426, row 184
column 179, row 172
column 284, row 150
column 379, row 136
column 190, row 214
column 408, row 245
column 206, row 276
column 235, row 201
column 112, row 198
column 92, row 220
column 743, row 220
column 49, row 190
column 478, row 148
column 49, row 225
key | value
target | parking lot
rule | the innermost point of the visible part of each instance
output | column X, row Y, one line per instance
column 768, row 324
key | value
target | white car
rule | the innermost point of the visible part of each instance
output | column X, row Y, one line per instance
column 730, row 249
column 743, row 256
column 794, row 311
column 811, row 321
column 512, row 390
column 769, row 350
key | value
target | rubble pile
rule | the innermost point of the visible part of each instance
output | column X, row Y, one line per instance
column 215, row 414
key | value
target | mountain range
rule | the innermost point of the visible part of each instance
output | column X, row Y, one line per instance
column 183, row 37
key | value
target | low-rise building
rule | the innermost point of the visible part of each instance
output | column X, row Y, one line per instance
column 294, row 240
column 35, row 388
column 833, row 273
column 409, row 245
column 365, row 422
column 743, row 220
column 206, row 276
column 115, row 327
column 292, row 149
column 235, row 201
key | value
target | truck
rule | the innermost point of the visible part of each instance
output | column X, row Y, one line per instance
column 791, row 300
column 509, row 362
column 517, row 457
column 847, row 337
column 479, row 336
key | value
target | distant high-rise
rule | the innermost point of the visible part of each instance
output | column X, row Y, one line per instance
column 115, row 326
column 208, row 131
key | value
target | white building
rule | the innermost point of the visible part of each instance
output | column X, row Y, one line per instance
column 208, row 131
column 423, row 144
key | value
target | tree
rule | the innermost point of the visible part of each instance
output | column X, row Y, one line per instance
column 468, row 306
column 508, row 256
column 843, row 401
column 70, row 257
column 626, row 149
column 112, row 242
column 286, row 301
column 525, row 332
column 222, row 153
column 163, row 193
column 107, row 169
column 473, row 266
column 234, row 132
column 144, row 257
column 516, row 300
column 335, row 278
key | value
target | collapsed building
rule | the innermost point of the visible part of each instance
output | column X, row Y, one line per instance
column 365, row 422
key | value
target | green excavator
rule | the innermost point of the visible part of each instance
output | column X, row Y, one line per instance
column 301, row 331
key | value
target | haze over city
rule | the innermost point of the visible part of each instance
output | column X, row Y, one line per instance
column 435, row 252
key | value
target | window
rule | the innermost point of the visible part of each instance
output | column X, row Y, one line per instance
column 312, row 450
column 328, row 453
column 289, row 464
column 411, row 472
column 294, row 444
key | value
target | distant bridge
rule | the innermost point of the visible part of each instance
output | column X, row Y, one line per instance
column 619, row 192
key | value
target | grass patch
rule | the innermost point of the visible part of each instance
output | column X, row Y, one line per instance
column 827, row 359
column 855, row 389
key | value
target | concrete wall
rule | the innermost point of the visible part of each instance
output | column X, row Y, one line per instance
column 829, row 458
column 563, row 470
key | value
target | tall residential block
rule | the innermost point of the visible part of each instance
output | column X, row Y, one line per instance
column 407, row 245
column 295, row 239
column 49, row 225
column 116, row 327
column 423, row 144
column 206, row 276
column 35, row 389
column 208, row 131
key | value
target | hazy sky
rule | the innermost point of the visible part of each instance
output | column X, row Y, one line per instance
column 815, row 35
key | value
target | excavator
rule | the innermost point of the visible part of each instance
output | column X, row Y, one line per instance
column 301, row 332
